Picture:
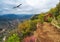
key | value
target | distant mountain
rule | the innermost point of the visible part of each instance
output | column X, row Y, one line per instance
column 13, row 17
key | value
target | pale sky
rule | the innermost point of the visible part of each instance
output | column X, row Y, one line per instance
column 27, row 7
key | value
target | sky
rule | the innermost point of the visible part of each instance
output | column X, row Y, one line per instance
column 27, row 7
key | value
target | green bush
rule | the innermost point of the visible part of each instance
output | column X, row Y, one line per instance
column 13, row 38
column 58, row 18
column 50, row 19
column 41, row 18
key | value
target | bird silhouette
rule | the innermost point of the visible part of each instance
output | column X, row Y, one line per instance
column 17, row 6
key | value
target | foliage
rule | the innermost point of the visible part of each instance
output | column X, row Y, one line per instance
column 24, row 28
column 49, row 19
column 13, row 38
column 55, row 11
column 35, row 17
column 1, row 38
column 27, row 27
column 58, row 20
column 33, row 24
column 24, row 25
column 41, row 18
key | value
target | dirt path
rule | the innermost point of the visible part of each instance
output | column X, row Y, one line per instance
column 47, row 33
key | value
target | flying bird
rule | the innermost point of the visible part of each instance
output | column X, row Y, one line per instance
column 17, row 6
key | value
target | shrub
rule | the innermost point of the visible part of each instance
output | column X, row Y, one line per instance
column 13, row 38
column 58, row 18
column 41, row 18
column 49, row 19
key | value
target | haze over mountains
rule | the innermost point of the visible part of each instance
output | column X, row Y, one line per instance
column 7, row 17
